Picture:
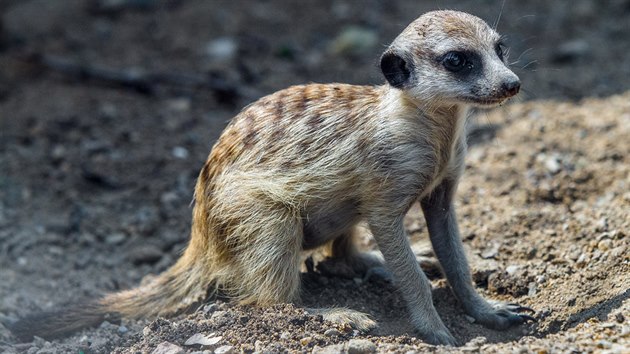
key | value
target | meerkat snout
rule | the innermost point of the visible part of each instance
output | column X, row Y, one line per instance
column 511, row 87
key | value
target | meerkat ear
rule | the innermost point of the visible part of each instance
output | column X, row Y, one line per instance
column 395, row 69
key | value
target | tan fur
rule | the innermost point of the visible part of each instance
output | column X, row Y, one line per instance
column 300, row 168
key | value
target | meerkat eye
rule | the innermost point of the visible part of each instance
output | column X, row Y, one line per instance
column 455, row 61
column 500, row 50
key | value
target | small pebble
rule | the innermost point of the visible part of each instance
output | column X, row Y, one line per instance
column 180, row 152
column 331, row 349
column 146, row 331
column 204, row 340
column 181, row 104
column 259, row 346
column 222, row 49
column 604, row 344
column 224, row 349
column 146, row 253
column 332, row 332
column 167, row 348
column 604, row 245
column 361, row 346
column 553, row 165
column 512, row 269
column 115, row 238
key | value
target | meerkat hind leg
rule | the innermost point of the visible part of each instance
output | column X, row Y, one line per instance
column 347, row 261
column 269, row 268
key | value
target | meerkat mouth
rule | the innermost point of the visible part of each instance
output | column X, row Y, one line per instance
column 485, row 101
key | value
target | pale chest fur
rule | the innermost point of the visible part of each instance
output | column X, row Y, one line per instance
column 431, row 143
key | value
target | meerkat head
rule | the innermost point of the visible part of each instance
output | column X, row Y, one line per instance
column 450, row 57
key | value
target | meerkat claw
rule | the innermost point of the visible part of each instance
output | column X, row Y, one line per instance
column 519, row 308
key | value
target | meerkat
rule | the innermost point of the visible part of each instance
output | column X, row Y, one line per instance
column 299, row 169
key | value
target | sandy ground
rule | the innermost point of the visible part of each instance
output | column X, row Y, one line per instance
column 96, row 178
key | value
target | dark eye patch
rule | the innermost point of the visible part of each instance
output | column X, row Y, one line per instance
column 455, row 61
column 461, row 62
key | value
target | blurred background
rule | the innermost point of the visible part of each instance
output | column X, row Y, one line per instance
column 108, row 109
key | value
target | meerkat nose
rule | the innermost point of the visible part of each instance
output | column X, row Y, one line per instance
column 511, row 87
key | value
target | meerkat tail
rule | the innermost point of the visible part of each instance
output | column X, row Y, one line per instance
column 56, row 324
column 177, row 290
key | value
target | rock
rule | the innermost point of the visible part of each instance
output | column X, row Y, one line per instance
column 147, row 253
column 619, row 251
column 602, row 224
column 552, row 164
column 108, row 112
column 204, row 340
column 332, row 332
column 259, row 346
column 512, row 269
column 331, row 349
column 354, row 41
column 532, row 289
column 491, row 252
column 361, row 346
column 115, row 238
column 582, row 260
column 167, row 348
column 604, row 344
column 180, row 152
column 146, row 331
column 222, row 49
column 122, row 330
column 306, row 341
column 58, row 153
column 604, row 245
column 224, row 349
column 180, row 104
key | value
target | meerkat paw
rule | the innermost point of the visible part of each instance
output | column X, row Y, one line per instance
column 346, row 317
column 356, row 266
column 437, row 337
column 502, row 316
column 430, row 266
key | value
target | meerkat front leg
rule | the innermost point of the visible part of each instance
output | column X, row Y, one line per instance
column 391, row 237
column 444, row 234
